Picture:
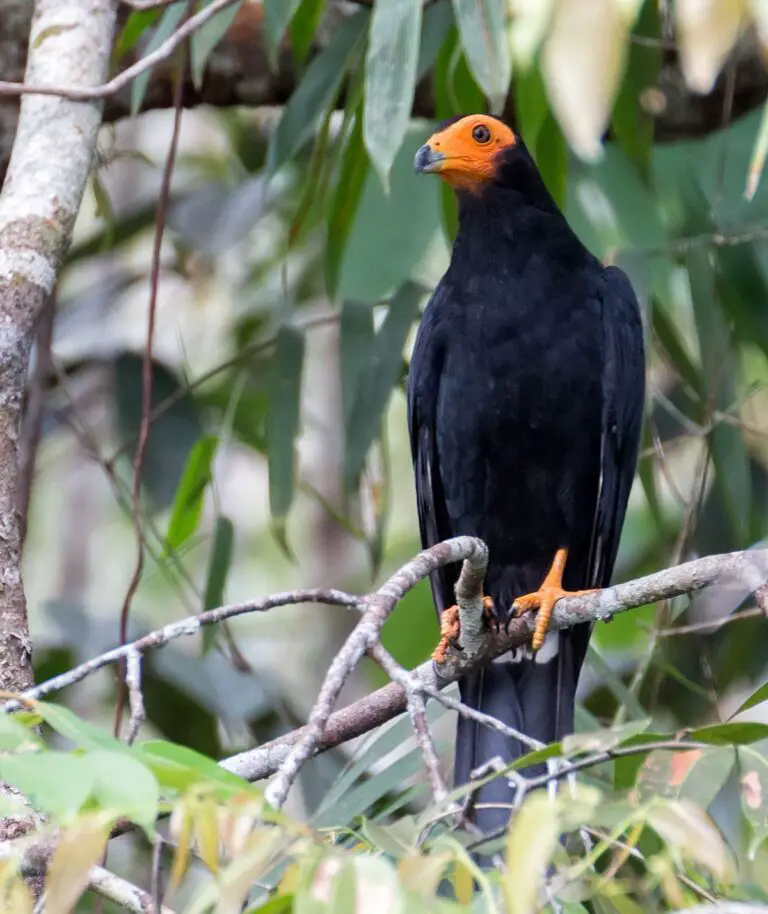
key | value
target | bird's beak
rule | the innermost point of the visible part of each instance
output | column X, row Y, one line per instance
column 427, row 160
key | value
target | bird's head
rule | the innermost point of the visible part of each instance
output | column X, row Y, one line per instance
column 467, row 152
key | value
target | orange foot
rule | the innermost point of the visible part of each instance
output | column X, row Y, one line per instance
column 450, row 628
column 545, row 598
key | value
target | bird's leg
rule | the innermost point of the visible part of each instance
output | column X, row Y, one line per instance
column 545, row 598
column 450, row 628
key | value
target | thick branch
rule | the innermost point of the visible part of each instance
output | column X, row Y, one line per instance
column 368, row 713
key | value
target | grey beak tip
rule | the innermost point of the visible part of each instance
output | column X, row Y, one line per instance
column 426, row 159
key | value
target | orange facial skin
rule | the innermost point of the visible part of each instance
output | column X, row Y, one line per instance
column 465, row 152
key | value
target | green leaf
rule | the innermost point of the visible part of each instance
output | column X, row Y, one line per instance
column 83, row 734
column 733, row 734
column 15, row 736
column 483, row 36
column 356, row 336
column 345, row 200
column 756, row 698
column 757, row 163
column 753, row 781
column 283, row 423
column 631, row 123
column 174, row 765
column 437, row 21
column 205, row 39
column 218, row 571
column 278, row 15
column 135, row 26
column 124, row 786
column 531, row 105
column 696, row 774
column 165, row 28
column 456, row 90
column 619, row 690
column 188, row 504
column 727, row 446
column 54, row 782
column 304, row 25
column 531, row 842
column 380, row 377
column 390, row 70
column 600, row 740
column 316, row 92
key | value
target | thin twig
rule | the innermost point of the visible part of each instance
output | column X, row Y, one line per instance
column 418, row 713
column 163, row 52
column 364, row 636
column 135, row 696
column 146, row 374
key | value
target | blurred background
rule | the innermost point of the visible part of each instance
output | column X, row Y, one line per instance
column 299, row 250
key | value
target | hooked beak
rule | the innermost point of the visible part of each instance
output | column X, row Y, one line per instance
column 427, row 160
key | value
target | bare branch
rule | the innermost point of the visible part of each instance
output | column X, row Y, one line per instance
column 418, row 712
column 135, row 696
column 364, row 636
column 93, row 93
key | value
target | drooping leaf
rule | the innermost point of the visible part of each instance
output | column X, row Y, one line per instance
column 481, row 25
column 205, row 39
column 218, row 571
column 303, row 26
column 356, row 335
column 583, row 77
column 456, row 90
column 531, row 841
column 82, row 733
column 163, row 756
column 283, row 423
column 317, row 91
column 172, row 434
column 135, row 26
column 278, row 15
column 697, row 774
column 80, row 848
column 390, row 68
column 727, row 446
column 188, row 504
column 378, row 380
column 685, row 827
column 753, row 780
column 165, row 28
column 706, row 33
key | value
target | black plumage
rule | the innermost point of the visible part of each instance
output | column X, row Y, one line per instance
column 525, row 400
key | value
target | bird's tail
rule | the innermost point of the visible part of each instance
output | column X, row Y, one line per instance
column 535, row 697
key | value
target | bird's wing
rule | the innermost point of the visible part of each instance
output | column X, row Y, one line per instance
column 623, row 397
column 423, row 393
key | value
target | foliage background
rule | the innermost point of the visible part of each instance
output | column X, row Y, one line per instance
column 300, row 247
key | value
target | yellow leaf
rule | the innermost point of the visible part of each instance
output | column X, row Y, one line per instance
column 207, row 834
column 531, row 841
column 689, row 833
column 19, row 898
column 236, row 880
column 528, row 26
column 181, row 830
column 582, row 64
column 463, row 884
column 81, row 848
column 706, row 32
column 422, row 874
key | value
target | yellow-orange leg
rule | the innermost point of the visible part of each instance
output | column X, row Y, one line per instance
column 545, row 598
column 450, row 628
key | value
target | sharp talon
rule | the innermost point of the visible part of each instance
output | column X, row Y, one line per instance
column 449, row 633
column 490, row 615
column 545, row 598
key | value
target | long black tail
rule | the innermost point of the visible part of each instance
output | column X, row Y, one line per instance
column 535, row 697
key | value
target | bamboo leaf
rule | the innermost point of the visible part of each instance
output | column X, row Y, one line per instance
column 483, row 36
column 205, row 39
column 188, row 504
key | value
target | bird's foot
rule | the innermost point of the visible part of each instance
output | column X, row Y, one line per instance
column 545, row 598
column 450, row 628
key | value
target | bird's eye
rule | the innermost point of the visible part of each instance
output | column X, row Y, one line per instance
column 481, row 134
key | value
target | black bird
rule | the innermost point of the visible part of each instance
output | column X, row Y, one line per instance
column 525, row 404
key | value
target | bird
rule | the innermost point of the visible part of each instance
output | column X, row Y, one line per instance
column 525, row 399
